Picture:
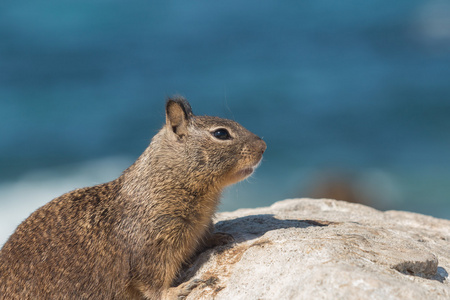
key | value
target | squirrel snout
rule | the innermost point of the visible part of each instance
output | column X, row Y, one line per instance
column 262, row 145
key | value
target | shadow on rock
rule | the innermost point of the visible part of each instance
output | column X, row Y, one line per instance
column 441, row 275
column 254, row 226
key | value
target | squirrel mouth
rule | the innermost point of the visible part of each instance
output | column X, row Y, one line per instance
column 241, row 174
column 246, row 172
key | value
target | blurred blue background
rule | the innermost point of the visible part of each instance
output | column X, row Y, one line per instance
column 352, row 98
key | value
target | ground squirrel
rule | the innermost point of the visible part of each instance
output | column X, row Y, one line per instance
column 127, row 239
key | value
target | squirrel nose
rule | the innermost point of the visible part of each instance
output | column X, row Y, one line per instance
column 258, row 144
column 263, row 146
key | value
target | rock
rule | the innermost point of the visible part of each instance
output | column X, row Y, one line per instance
column 323, row 249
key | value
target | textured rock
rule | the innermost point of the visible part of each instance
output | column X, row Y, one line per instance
column 323, row 249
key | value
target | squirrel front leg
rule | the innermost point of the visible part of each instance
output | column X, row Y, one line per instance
column 210, row 240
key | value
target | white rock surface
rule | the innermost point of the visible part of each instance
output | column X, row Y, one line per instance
column 324, row 249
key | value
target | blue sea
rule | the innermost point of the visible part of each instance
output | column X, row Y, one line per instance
column 351, row 97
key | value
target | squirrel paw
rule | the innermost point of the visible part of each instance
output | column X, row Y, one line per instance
column 182, row 291
column 219, row 239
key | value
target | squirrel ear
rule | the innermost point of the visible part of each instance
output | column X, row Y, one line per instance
column 178, row 114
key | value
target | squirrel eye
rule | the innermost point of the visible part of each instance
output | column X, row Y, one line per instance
column 222, row 134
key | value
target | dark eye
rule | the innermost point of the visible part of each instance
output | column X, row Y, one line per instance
column 221, row 134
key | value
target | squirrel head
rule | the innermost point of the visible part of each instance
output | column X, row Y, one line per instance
column 212, row 149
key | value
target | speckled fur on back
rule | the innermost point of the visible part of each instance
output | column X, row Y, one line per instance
column 127, row 239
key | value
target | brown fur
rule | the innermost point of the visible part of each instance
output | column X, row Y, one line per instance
column 127, row 239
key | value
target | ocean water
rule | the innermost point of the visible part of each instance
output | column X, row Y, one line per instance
column 353, row 98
